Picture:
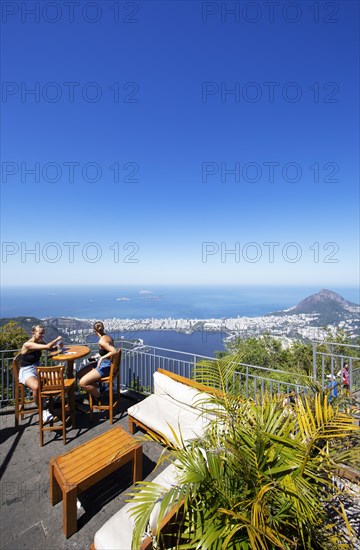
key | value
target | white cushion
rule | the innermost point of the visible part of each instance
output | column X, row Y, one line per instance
column 158, row 413
column 117, row 532
column 166, row 478
column 164, row 385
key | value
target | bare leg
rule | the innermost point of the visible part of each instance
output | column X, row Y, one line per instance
column 33, row 383
column 88, row 383
column 80, row 373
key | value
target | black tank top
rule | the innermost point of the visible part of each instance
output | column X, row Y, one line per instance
column 33, row 356
column 102, row 351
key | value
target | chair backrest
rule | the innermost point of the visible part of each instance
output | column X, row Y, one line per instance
column 16, row 367
column 115, row 363
column 51, row 379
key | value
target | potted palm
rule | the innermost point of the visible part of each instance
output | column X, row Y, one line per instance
column 263, row 477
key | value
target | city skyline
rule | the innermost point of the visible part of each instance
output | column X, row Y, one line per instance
column 184, row 142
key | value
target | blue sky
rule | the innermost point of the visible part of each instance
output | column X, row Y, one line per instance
column 141, row 110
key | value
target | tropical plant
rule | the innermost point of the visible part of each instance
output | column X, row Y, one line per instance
column 264, row 351
column 12, row 336
column 267, row 351
column 249, row 380
column 262, row 478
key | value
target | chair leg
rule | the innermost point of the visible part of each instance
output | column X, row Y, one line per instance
column 90, row 408
column 16, row 405
column 111, row 401
column 118, row 392
column 51, row 406
column 63, row 418
column 22, row 401
column 41, row 424
column 72, row 406
column 20, row 410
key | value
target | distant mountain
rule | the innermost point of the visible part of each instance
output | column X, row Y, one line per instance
column 324, row 301
column 55, row 326
column 25, row 322
column 329, row 307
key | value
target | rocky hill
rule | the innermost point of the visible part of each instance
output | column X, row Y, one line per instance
column 329, row 307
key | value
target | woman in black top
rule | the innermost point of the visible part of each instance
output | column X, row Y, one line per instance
column 30, row 359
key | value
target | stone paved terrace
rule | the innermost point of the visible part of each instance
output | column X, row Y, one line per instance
column 28, row 521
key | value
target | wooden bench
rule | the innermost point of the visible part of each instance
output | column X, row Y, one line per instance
column 79, row 469
column 134, row 422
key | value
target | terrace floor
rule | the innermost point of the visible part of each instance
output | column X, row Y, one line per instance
column 28, row 521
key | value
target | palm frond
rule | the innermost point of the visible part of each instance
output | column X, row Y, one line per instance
column 262, row 477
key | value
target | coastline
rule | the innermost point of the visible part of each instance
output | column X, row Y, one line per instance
column 286, row 327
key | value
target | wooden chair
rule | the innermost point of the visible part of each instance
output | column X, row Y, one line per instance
column 53, row 384
column 20, row 410
column 114, row 375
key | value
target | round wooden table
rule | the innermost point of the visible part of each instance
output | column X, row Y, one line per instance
column 70, row 354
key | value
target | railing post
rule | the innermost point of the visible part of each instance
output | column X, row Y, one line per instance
column 2, row 375
column 314, row 362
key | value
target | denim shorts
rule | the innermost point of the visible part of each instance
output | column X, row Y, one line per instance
column 104, row 368
column 26, row 372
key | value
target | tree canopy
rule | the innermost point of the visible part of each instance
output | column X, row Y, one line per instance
column 12, row 336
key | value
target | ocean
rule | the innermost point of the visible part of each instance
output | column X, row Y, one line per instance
column 198, row 343
column 130, row 302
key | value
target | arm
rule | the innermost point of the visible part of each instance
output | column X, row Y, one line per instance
column 34, row 345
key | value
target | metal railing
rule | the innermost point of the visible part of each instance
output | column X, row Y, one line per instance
column 139, row 362
column 333, row 361
column 253, row 381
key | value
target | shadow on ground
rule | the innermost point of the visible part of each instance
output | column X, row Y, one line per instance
column 28, row 520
